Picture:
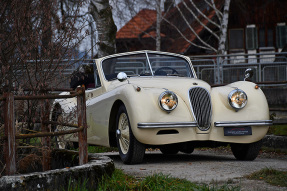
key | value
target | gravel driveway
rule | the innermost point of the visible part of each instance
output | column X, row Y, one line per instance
column 206, row 166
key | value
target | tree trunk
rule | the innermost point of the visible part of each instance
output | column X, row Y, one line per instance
column 222, row 41
column 106, row 28
column 223, row 31
column 158, row 21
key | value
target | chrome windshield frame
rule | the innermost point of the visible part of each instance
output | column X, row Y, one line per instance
column 146, row 54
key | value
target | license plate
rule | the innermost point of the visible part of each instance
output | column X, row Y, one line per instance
column 237, row 131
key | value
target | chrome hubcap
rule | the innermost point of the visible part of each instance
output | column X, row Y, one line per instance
column 123, row 134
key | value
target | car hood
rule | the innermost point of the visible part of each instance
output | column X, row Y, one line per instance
column 176, row 84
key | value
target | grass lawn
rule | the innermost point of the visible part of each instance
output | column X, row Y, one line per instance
column 271, row 176
column 121, row 181
column 280, row 130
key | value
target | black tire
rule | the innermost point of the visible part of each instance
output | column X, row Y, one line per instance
column 246, row 152
column 72, row 145
column 169, row 149
column 130, row 149
column 186, row 148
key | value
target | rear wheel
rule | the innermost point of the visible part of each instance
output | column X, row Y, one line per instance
column 130, row 149
column 62, row 141
column 247, row 152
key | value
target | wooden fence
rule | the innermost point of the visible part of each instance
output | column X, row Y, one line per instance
column 10, row 136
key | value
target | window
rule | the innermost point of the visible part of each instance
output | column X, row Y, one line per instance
column 165, row 65
column 97, row 77
column 251, row 37
column 146, row 64
column 236, row 39
column 266, row 37
column 281, row 35
column 132, row 65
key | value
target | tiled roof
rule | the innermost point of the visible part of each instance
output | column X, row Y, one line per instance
column 152, row 34
column 138, row 25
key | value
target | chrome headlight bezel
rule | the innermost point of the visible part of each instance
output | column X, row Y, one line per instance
column 168, row 101
column 237, row 99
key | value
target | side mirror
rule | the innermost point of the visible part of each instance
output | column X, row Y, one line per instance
column 122, row 76
column 248, row 74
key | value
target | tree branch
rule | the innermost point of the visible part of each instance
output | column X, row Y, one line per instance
column 217, row 12
column 198, row 37
column 196, row 18
column 182, row 35
column 203, row 14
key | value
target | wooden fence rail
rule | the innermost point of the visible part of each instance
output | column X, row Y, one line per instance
column 11, row 136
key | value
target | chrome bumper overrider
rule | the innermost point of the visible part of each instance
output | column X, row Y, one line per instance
column 242, row 123
column 167, row 125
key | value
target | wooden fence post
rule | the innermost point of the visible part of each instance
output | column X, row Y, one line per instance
column 46, row 141
column 81, row 112
column 10, row 131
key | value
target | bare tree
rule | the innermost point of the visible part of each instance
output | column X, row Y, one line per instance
column 35, row 37
column 106, row 28
column 158, row 23
column 200, row 12
column 224, row 25
column 191, row 14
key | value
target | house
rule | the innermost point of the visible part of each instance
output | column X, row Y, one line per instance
column 257, row 26
column 137, row 34
column 254, row 26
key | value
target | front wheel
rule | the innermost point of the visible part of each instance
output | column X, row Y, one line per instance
column 247, row 152
column 171, row 149
column 130, row 149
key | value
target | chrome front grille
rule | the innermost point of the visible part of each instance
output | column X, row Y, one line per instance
column 201, row 107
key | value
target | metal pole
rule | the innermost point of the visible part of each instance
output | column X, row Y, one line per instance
column 10, row 131
column 81, row 111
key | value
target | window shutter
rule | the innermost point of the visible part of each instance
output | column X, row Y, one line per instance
column 251, row 38
column 281, row 36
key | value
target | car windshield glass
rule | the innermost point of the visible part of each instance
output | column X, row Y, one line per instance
column 146, row 65
column 165, row 65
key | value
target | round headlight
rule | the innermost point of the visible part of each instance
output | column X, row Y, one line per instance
column 237, row 99
column 168, row 101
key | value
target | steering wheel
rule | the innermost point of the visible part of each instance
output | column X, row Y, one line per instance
column 160, row 71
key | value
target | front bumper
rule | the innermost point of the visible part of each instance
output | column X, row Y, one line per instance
column 194, row 124
column 166, row 125
column 243, row 123
column 175, row 132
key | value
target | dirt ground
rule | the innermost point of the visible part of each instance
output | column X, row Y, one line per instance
column 206, row 166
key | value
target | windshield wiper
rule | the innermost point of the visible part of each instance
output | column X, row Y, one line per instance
column 180, row 75
column 134, row 75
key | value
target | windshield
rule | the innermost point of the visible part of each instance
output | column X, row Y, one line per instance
column 143, row 64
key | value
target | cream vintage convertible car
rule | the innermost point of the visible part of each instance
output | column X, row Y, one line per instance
column 148, row 99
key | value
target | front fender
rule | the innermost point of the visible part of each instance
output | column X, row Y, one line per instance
column 142, row 107
column 256, row 109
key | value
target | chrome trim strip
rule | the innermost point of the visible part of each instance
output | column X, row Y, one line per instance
column 166, row 125
column 243, row 123
column 148, row 61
